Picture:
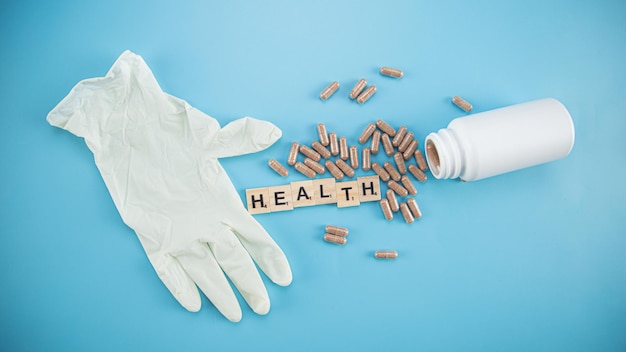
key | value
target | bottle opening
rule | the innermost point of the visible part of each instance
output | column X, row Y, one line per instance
column 432, row 157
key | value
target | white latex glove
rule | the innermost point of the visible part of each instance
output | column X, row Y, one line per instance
column 158, row 158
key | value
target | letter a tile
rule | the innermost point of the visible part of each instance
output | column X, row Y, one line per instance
column 302, row 193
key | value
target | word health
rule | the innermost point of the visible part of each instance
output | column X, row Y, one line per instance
column 313, row 192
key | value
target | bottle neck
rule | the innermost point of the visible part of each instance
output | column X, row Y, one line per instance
column 443, row 154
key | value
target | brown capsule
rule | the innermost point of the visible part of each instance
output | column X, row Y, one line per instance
column 393, row 201
column 400, row 163
column 386, row 254
column 354, row 157
column 380, row 171
column 334, row 144
column 417, row 173
column 334, row 170
column 336, row 230
column 406, row 213
column 415, row 210
column 278, row 167
column 391, row 72
column 410, row 187
column 384, row 205
column 367, row 159
column 387, row 144
column 385, row 127
column 305, row 170
column 391, row 170
column 375, row 145
column 462, row 103
column 358, row 88
column 367, row 133
column 363, row 97
column 410, row 150
column 345, row 168
column 308, row 152
column 408, row 137
column 397, row 139
column 320, row 149
column 330, row 90
column 293, row 153
column 314, row 165
column 421, row 162
column 329, row 237
column 343, row 148
column 322, row 134
column 401, row 191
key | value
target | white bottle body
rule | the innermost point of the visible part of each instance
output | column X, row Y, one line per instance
column 502, row 140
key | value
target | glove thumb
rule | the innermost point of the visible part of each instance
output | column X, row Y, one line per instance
column 244, row 136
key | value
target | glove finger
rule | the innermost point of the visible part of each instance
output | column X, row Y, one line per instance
column 177, row 281
column 262, row 248
column 243, row 136
column 237, row 264
column 202, row 267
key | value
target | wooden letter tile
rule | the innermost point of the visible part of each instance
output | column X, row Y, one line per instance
column 280, row 198
column 369, row 188
column 258, row 200
column 347, row 194
column 325, row 191
column 303, row 193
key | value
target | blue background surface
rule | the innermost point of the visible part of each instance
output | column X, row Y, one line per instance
column 531, row 260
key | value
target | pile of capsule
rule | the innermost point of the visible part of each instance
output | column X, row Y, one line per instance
column 400, row 146
column 328, row 146
column 338, row 235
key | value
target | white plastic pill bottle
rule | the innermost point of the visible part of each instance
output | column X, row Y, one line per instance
column 502, row 140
